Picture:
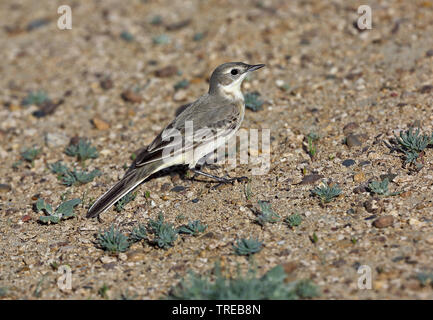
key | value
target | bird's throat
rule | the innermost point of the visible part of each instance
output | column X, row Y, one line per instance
column 232, row 91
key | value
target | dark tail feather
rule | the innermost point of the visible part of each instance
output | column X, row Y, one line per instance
column 133, row 177
column 129, row 182
column 108, row 199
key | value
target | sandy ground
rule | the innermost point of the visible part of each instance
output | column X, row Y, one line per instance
column 321, row 74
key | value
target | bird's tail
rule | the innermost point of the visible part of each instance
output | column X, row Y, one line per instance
column 129, row 182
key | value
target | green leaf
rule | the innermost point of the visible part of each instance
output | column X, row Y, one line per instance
column 120, row 205
column 165, row 234
column 139, row 233
column 41, row 205
column 58, row 168
column 82, row 150
column 193, row 228
column 272, row 285
column 267, row 215
column 52, row 219
column 36, row 98
column 113, row 240
column 30, row 154
column 79, row 177
column 246, row 247
column 252, row 101
column 294, row 220
column 66, row 208
column 326, row 193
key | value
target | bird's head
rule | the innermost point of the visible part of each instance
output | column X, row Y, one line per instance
column 227, row 78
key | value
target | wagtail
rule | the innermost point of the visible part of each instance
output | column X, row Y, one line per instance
column 218, row 113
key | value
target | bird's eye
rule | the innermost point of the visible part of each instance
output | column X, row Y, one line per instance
column 234, row 72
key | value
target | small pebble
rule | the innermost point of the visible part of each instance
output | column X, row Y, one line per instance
column 383, row 222
column 364, row 163
column 180, row 95
column 165, row 187
column 352, row 140
column 279, row 83
column 348, row 162
column 360, row 189
column 55, row 140
column 109, row 266
column 35, row 24
column 178, row 25
column 359, row 177
column 122, row 256
column 426, row 89
column 166, row 72
column 311, row 178
column 106, row 84
column 178, row 189
column 131, row 96
column 136, row 256
column 5, row 188
column 350, row 127
column 373, row 206
column 26, row 218
column 107, row 259
column 100, row 124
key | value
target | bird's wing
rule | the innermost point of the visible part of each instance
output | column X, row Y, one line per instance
column 209, row 123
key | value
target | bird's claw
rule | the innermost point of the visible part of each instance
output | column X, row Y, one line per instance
column 230, row 180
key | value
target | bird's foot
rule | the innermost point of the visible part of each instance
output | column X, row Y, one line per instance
column 221, row 180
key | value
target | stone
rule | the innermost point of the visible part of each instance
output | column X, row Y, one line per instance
column 311, row 178
column 5, row 188
column 352, row 140
column 56, row 140
column 360, row 189
column 350, row 127
column 106, row 84
column 109, row 266
column 180, row 95
column 122, row 256
column 389, row 176
column 166, row 72
column 373, row 206
column 26, row 218
column 383, row 222
column 107, row 259
column 100, row 124
column 348, row 162
column 414, row 222
column 47, row 108
column 136, row 256
column 131, row 96
column 359, row 177
column 426, row 89
column 165, row 187
column 178, row 189
column 178, row 25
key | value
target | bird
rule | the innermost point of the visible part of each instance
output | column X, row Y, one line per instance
column 219, row 113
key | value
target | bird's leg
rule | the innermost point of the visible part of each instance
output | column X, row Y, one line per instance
column 219, row 179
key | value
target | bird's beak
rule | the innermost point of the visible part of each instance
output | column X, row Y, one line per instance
column 254, row 67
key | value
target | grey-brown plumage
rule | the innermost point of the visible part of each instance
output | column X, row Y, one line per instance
column 220, row 112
